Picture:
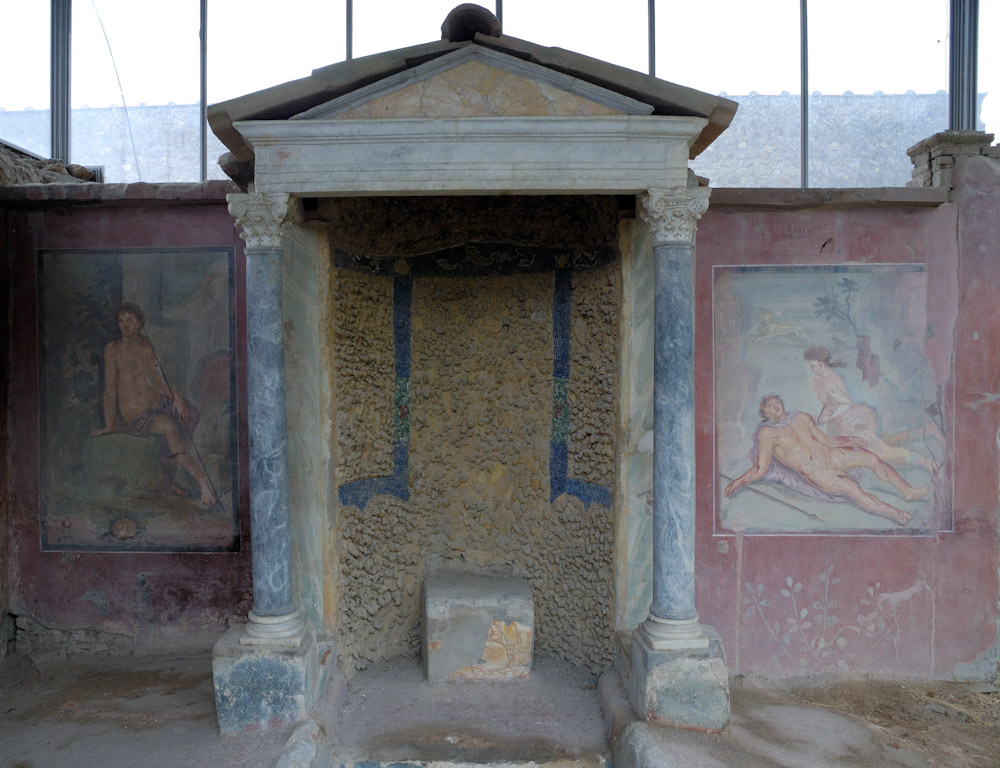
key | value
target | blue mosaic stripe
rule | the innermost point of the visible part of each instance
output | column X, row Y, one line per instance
column 560, row 411
column 359, row 492
column 588, row 493
column 557, row 470
column 562, row 308
column 479, row 259
column 401, row 415
column 559, row 480
column 402, row 304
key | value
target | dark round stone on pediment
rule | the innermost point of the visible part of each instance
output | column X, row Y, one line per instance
column 468, row 19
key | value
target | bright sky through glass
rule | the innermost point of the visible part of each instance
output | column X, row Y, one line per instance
column 24, row 57
column 731, row 46
column 863, row 46
column 153, row 68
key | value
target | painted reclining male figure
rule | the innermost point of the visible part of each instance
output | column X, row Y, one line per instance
column 792, row 450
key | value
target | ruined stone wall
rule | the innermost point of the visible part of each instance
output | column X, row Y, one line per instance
column 475, row 419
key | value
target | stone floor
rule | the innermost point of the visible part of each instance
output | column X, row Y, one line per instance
column 159, row 713
column 118, row 712
column 392, row 715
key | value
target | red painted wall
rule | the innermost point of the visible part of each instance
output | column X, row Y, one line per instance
column 159, row 599
column 904, row 605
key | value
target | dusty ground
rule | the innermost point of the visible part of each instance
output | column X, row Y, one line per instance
column 954, row 725
column 393, row 715
column 111, row 712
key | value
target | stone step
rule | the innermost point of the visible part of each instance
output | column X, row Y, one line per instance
column 391, row 716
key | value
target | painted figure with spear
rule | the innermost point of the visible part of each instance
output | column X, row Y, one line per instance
column 138, row 399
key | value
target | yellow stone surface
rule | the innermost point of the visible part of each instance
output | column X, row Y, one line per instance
column 507, row 654
column 475, row 89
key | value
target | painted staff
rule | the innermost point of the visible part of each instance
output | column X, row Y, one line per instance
column 772, row 498
column 182, row 422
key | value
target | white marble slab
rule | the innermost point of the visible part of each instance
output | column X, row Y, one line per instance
column 522, row 155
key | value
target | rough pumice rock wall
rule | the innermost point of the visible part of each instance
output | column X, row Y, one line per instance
column 363, row 351
column 478, row 440
column 593, row 369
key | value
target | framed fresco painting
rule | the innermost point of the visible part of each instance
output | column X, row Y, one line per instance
column 831, row 414
column 137, row 395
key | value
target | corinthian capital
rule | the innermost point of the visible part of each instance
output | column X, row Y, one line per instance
column 263, row 217
column 672, row 214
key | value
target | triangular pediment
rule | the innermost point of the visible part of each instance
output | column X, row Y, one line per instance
column 477, row 82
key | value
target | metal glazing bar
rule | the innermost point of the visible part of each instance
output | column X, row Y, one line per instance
column 652, row 37
column 962, row 61
column 203, row 130
column 804, row 87
column 60, row 24
column 350, row 29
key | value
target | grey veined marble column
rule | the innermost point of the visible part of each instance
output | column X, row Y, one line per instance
column 672, row 216
column 264, row 218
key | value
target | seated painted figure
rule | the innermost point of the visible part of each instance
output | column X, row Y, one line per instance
column 138, row 402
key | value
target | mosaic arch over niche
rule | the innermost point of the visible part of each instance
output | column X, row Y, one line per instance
column 138, row 430
column 865, row 421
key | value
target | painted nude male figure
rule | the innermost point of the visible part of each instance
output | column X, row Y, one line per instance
column 822, row 461
column 137, row 400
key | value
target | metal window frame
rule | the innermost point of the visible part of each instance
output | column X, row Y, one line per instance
column 60, row 75
column 962, row 81
column 963, row 65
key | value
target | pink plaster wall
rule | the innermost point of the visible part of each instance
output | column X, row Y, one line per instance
column 921, row 605
column 159, row 599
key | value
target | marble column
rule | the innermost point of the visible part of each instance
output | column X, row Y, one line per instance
column 264, row 219
column 268, row 673
column 674, row 669
column 672, row 216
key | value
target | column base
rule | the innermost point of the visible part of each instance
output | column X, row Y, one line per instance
column 261, row 685
column 285, row 630
column 686, row 688
column 673, row 634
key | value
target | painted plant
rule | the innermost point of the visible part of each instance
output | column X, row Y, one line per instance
column 810, row 627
